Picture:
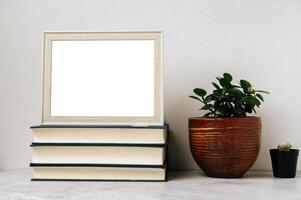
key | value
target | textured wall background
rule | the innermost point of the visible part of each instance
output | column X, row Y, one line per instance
column 259, row 40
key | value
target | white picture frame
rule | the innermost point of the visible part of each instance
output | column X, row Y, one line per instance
column 58, row 101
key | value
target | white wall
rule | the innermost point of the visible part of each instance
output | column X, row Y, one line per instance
column 259, row 40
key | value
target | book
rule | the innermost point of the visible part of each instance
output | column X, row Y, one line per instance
column 98, row 153
column 77, row 172
column 99, row 134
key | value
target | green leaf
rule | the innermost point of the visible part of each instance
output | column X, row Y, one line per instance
column 228, row 98
column 194, row 97
column 261, row 91
column 252, row 101
column 249, row 108
column 260, row 97
column 216, row 86
column 220, row 111
column 238, row 110
column 224, row 82
column 256, row 101
column 200, row 92
column 235, row 92
column 245, row 85
column 206, row 107
column 209, row 98
column 207, row 115
column 217, row 94
column 217, row 103
column 228, row 77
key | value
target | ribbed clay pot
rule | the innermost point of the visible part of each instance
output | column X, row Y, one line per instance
column 225, row 147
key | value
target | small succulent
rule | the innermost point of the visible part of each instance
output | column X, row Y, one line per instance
column 284, row 147
column 228, row 99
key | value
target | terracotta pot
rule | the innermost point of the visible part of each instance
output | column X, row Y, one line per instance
column 225, row 147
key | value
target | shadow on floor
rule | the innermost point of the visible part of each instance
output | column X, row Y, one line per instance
column 191, row 174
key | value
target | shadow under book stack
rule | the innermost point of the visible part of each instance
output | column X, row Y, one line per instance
column 99, row 153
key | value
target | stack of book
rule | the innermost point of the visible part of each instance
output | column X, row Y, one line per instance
column 120, row 153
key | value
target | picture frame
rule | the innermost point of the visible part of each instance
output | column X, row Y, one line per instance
column 56, row 90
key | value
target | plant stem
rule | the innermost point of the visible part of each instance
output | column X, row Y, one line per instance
column 205, row 103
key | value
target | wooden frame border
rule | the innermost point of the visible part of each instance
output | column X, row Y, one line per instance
column 135, row 121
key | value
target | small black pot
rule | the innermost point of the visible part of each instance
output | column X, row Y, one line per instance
column 284, row 162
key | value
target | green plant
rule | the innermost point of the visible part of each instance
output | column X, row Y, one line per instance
column 229, row 100
column 284, row 147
